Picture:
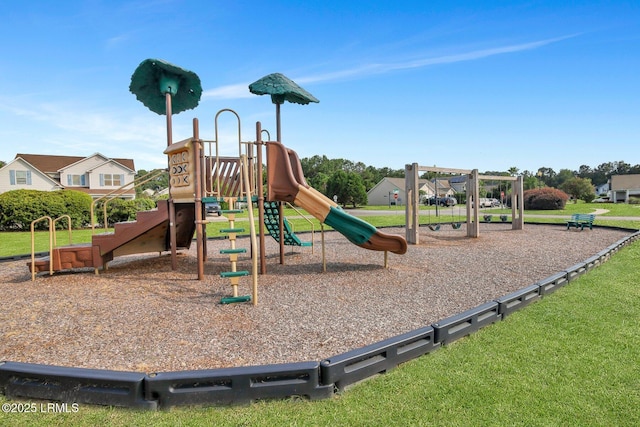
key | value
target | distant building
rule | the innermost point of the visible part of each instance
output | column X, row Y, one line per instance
column 624, row 186
column 96, row 175
column 383, row 193
column 602, row 189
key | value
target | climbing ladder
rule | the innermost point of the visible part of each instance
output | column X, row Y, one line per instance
column 272, row 220
column 234, row 274
column 231, row 180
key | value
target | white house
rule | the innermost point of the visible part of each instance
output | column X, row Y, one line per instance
column 383, row 193
column 95, row 175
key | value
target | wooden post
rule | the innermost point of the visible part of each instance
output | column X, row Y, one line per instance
column 473, row 213
column 263, row 259
column 517, row 204
column 200, row 243
column 412, row 211
column 252, row 230
column 281, row 230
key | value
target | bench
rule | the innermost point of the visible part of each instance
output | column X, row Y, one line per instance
column 581, row 220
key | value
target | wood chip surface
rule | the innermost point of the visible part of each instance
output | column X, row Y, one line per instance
column 142, row 316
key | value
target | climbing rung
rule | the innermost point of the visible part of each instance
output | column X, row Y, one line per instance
column 231, row 300
column 234, row 273
column 232, row 230
column 230, row 211
column 233, row 251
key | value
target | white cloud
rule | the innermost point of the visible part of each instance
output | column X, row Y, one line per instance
column 241, row 90
column 381, row 68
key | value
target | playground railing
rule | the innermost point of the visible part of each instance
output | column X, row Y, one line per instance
column 53, row 240
column 33, row 245
column 224, row 173
column 117, row 193
column 306, row 218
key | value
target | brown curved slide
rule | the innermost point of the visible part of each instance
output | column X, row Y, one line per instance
column 286, row 183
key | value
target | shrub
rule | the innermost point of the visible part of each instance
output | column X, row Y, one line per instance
column 545, row 199
column 18, row 208
column 119, row 210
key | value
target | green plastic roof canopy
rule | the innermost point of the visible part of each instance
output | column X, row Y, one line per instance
column 154, row 78
column 281, row 89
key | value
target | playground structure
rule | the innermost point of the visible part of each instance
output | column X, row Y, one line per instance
column 198, row 174
column 412, row 211
column 196, row 179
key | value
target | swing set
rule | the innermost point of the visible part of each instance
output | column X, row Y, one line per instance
column 412, row 211
column 436, row 226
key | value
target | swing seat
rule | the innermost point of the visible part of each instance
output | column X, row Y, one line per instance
column 456, row 225
column 434, row 227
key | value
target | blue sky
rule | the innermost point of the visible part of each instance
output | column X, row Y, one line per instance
column 464, row 84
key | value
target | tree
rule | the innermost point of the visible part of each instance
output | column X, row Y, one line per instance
column 348, row 187
column 546, row 175
column 579, row 188
column 318, row 169
column 2, row 164
column 529, row 182
column 562, row 176
column 156, row 184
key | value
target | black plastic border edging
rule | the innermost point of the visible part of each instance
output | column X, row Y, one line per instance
column 356, row 365
column 314, row 380
column 458, row 326
column 236, row 385
column 518, row 299
column 73, row 385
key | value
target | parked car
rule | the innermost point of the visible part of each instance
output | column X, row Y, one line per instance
column 484, row 203
column 212, row 208
column 495, row 203
column 442, row 201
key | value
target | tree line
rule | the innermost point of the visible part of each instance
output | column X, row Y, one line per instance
column 350, row 181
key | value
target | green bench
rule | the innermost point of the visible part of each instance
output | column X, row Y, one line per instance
column 581, row 220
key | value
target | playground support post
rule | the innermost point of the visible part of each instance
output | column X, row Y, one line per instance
column 263, row 260
column 473, row 209
column 517, row 204
column 252, row 229
column 172, row 208
column 412, row 210
column 200, row 224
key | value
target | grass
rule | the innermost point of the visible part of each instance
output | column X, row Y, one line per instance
column 19, row 243
column 572, row 358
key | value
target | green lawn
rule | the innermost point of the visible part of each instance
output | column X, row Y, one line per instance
column 572, row 358
column 19, row 243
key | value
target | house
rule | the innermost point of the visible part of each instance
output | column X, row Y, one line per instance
column 602, row 189
column 444, row 186
column 624, row 186
column 96, row 175
column 459, row 183
column 383, row 193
